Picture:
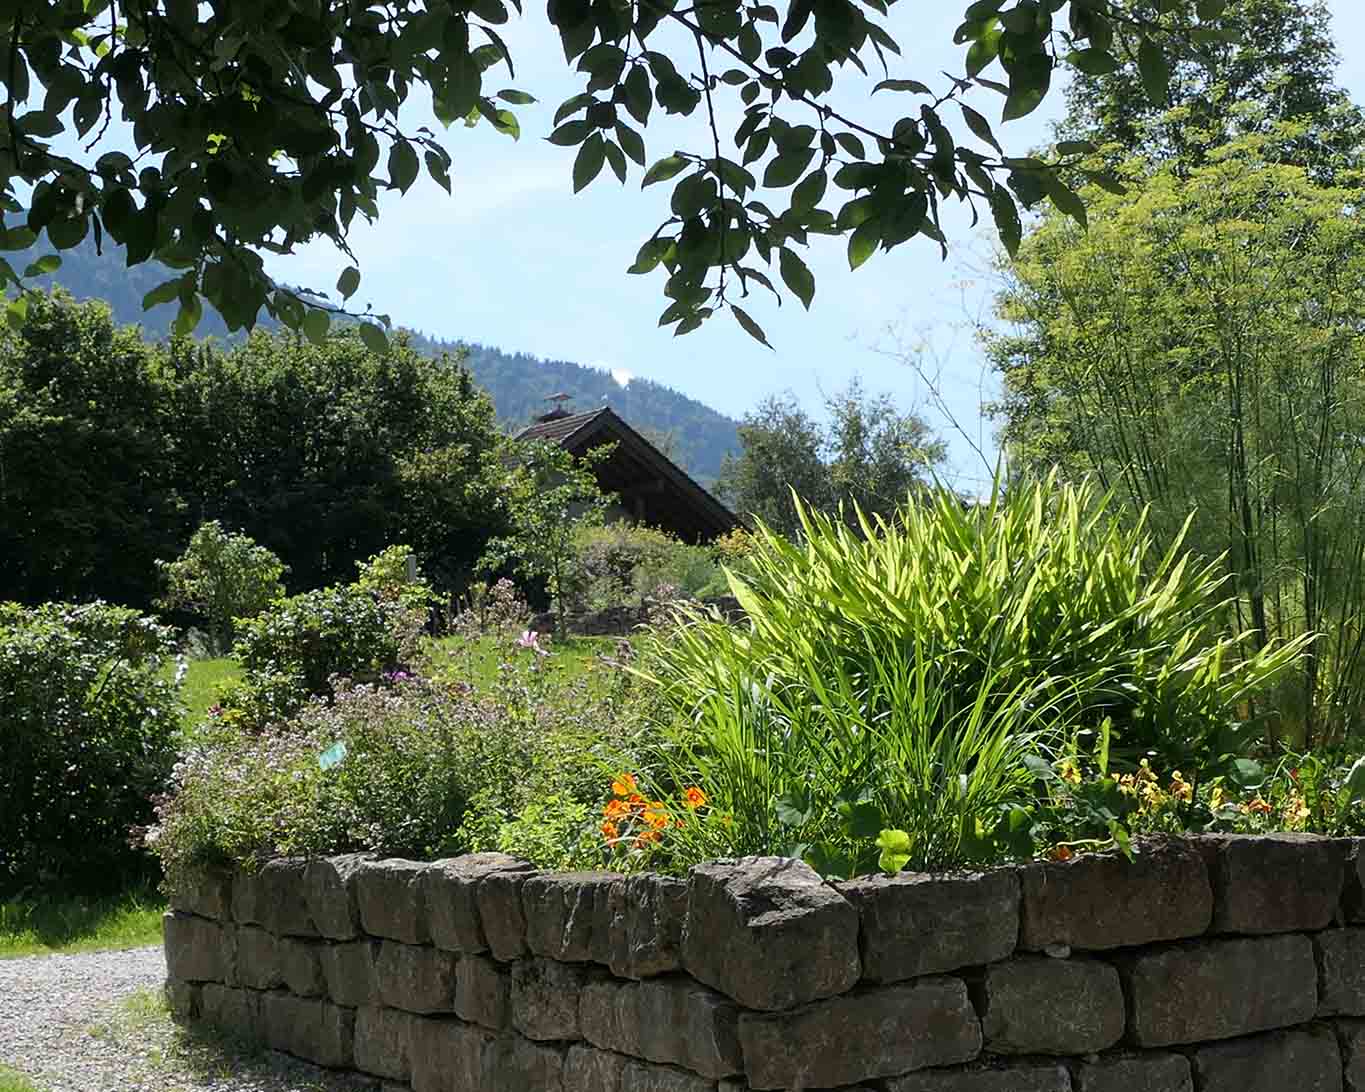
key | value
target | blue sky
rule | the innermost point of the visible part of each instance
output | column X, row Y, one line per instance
column 515, row 259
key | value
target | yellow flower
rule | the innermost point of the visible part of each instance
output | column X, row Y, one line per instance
column 624, row 784
column 1218, row 798
column 1071, row 773
column 1180, row 788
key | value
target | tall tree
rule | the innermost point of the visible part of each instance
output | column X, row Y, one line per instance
column 257, row 127
column 1280, row 66
column 1199, row 349
column 868, row 453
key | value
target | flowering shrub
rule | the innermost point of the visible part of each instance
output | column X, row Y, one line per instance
column 87, row 732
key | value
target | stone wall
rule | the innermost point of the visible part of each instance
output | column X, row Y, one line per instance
column 1205, row 965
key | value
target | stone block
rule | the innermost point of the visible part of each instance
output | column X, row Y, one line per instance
column 915, row 924
column 389, row 896
column 274, row 897
column 1351, row 1040
column 647, row 915
column 233, row 1011
column 674, row 1021
column 349, row 972
column 768, row 932
column 182, row 998
column 1010, row 1077
column 512, row 1064
column 450, row 891
column 881, row 1032
column 500, row 916
column 330, row 895
column 447, row 1056
column 637, row 1076
column 416, row 978
column 568, row 915
column 258, row 959
column 1353, row 897
column 1274, row 883
column 199, row 950
column 383, row 1041
column 587, row 1069
column 309, row 1028
column 301, row 966
column 545, row 998
column 1149, row 1072
column 206, row 893
column 1036, row 1005
column 1099, row 901
column 1216, row 989
column 1341, row 972
column 483, row 991
column 1303, row 1060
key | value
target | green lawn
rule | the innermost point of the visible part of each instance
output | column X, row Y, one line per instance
column 46, row 925
column 477, row 661
column 202, row 679
column 11, row 1080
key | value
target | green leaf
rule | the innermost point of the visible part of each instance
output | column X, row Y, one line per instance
column 809, row 191
column 516, row 98
column 793, row 811
column 1211, row 9
column 570, row 133
column 1030, row 78
column 162, row 293
column 787, row 168
column 1155, row 70
column 1006, row 216
column 615, row 159
column 191, row 311
column 796, row 276
column 896, row 847
column 1064, row 198
column 980, row 127
column 630, row 142
column 348, row 282
column 1093, row 61
column 863, row 242
column 753, row 329
column 913, row 86
column 402, row 165
column 588, row 163
column 48, row 263
column 664, row 169
column 374, row 338
column 16, row 311
column 315, row 325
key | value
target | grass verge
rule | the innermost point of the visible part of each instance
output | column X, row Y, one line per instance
column 11, row 1080
column 49, row 924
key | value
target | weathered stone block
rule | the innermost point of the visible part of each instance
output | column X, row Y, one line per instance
column 389, row 896
column 182, row 998
column 447, row 1056
column 511, row 1064
column 669, row 1020
column 647, row 916
column 330, row 895
column 639, row 1076
column 205, row 893
column 881, row 1032
column 1351, row 1040
column 498, row 896
column 199, row 950
column 1353, row 897
column 545, row 998
column 1104, row 900
column 1012, row 1077
column 309, row 1028
column 450, row 890
column 301, row 967
column 915, row 924
column 1151, row 1072
column 568, row 916
column 274, row 897
column 1036, row 1005
column 349, row 971
column 589, row 1070
column 1274, row 883
column 233, row 1011
column 258, row 959
column 1216, row 989
column 768, row 932
column 416, row 978
column 483, row 991
column 383, row 1041
column 1305, row 1061
column 1341, row 972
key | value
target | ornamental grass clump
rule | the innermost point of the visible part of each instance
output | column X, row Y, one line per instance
column 896, row 676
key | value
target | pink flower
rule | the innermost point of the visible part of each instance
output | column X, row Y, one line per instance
column 531, row 639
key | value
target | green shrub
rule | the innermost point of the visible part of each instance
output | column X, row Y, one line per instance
column 621, row 563
column 393, row 577
column 897, row 676
column 87, row 730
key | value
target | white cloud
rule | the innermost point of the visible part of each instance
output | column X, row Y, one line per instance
column 622, row 376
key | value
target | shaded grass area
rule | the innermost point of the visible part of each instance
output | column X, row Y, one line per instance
column 48, row 924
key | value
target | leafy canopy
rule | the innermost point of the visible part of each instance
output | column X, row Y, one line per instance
column 259, row 126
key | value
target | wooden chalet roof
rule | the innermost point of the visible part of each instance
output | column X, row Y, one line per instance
column 652, row 488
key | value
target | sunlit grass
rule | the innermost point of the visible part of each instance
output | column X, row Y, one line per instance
column 200, row 688
column 11, row 1080
column 65, row 923
column 476, row 660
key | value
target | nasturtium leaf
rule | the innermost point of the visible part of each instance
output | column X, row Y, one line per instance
column 796, row 276
column 1155, row 70
column 664, row 169
column 374, row 338
column 348, row 282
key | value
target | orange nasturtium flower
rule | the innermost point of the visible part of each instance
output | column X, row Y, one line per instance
column 616, row 809
column 645, row 837
column 694, row 798
column 624, row 784
column 657, row 820
column 610, row 830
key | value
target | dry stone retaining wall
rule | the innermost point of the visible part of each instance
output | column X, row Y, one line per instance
column 1221, row 964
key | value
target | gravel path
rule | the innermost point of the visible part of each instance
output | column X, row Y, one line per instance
column 96, row 1023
